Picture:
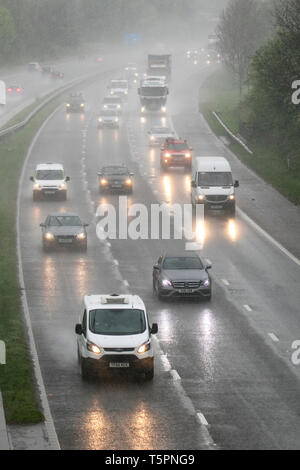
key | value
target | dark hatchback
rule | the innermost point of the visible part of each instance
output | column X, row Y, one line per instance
column 181, row 276
column 64, row 230
column 75, row 103
column 115, row 178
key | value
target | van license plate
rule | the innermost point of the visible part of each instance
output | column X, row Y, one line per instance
column 119, row 364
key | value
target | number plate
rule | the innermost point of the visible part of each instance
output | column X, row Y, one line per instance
column 185, row 291
column 49, row 192
column 119, row 364
column 216, row 206
column 65, row 240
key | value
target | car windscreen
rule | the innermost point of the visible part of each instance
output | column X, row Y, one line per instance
column 115, row 171
column 153, row 91
column 117, row 321
column 182, row 262
column 162, row 130
column 178, row 147
column 112, row 100
column 214, row 178
column 49, row 175
column 64, row 220
column 108, row 112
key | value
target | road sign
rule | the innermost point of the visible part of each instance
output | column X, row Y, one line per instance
column 132, row 38
column 2, row 93
column 2, row 352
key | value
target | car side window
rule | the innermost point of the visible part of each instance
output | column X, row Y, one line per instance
column 84, row 323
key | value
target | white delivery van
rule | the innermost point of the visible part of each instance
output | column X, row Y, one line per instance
column 212, row 185
column 119, row 88
column 114, row 333
column 2, row 93
column 49, row 180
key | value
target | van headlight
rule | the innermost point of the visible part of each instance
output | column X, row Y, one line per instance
column 99, row 119
column 81, row 236
column 62, row 186
column 92, row 347
column 232, row 197
column 49, row 236
column 201, row 197
column 144, row 347
column 36, row 186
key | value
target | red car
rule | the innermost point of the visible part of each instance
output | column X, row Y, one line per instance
column 175, row 152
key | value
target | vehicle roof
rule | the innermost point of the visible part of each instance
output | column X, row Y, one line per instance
column 115, row 167
column 63, row 214
column 49, row 166
column 99, row 301
column 211, row 164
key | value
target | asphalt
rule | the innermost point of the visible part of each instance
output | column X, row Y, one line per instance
column 225, row 396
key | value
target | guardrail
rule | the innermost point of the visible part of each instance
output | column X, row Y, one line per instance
column 51, row 97
column 234, row 137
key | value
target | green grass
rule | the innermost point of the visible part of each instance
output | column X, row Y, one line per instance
column 17, row 384
column 220, row 93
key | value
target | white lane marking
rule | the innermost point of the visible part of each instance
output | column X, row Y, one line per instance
column 126, row 283
column 247, row 307
column 225, row 282
column 202, row 419
column 273, row 337
column 166, row 363
column 268, row 237
column 116, row 262
column 49, row 423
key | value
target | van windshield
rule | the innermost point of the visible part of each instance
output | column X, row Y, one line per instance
column 115, row 321
column 215, row 179
column 49, row 175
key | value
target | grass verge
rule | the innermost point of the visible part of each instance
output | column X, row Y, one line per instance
column 219, row 93
column 17, row 383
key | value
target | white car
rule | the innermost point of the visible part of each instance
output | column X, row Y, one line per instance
column 157, row 135
column 114, row 333
column 49, row 180
column 108, row 118
column 112, row 102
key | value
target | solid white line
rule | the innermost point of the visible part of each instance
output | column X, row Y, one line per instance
column 225, row 282
column 273, row 337
column 166, row 363
column 268, row 237
column 175, row 374
column 126, row 283
column 202, row 419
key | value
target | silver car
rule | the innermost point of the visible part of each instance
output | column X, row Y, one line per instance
column 157, row 135
column 181, row 276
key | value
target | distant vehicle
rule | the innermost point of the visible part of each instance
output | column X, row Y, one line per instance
column 15, row 89
column 157, row 135
column 108, row 118
column 2, row 93
column 213, row 57
column 56, row 74
column 113, row 102
column 75, row 103
column 49, row 180
column 34, row 67
column 47, row 70
column 115, row 178
column 212, row 185
column 193, row 56
column 185, row 275
column 160, row 64
column 64, row 230
column 119, row 88
column 153, row 96
column 114, row 333
column 131, row 73
column 175, row 152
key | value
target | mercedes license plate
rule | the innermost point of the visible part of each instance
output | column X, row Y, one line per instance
column 185, row 291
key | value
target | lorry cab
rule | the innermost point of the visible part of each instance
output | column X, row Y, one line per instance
column 212, row 185
column 2, row 93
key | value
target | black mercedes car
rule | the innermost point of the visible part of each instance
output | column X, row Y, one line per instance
column 115, row 178
column 176, row 275
column 65, row 230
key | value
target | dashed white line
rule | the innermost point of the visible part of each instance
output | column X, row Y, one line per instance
column 175, row 374
column 247, row 307
column 273, row 337
column 225, row 282
column 201, row 418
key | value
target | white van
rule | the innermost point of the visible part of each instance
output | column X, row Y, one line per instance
column 212, row 184
column 114, row 333
column 119, row 88
column 49, row 180
column 2, row 93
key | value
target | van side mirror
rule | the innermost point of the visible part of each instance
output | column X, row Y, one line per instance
column 156, row 266
column 67, row 178
column 78, row 329
column 31, row 178
column 86, row 225
column 42, row 225
column 236, row 184
column 154, row 329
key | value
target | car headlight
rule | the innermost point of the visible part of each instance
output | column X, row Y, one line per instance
column 36, row 186
column 103, row 181
column 92, row 347
column 49, row 236
column 62, row 186
column 126, row 92
column 206, row 283
column 99, row 119
column 144, row 347
column 143, row 109
column 81, row 105
column 166, row 283
column 164, row 109
column 128, row 181
column 81, row 236
column 187, row 155
column 119, row 106
column 116, row 119
column 201, row 197
column 105, row 106
column 68, row 105
column 167, row 154
column 232, row 197
column 152, row 137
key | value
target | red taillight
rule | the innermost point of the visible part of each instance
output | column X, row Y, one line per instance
column 19, row 89
column 99, row 59
column 9, row 89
